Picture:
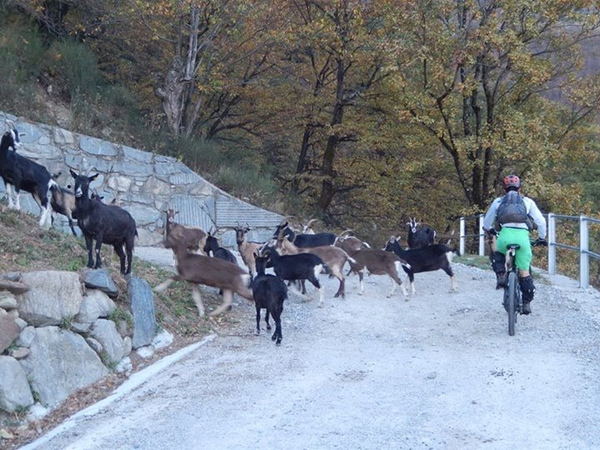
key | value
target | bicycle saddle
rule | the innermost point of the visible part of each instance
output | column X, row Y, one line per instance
column 515, row 246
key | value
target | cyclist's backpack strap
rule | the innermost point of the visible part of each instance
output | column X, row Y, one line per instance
column 512, row 209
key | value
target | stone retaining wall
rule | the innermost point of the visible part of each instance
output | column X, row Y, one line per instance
column 145, row 184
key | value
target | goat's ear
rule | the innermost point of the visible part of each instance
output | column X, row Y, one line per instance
column 256, row 255
column 93, row 177
column 73, row 174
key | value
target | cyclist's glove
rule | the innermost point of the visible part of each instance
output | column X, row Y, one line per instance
column 492, row 232
column 541, row 242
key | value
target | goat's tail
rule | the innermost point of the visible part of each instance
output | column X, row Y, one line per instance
column 402, row 263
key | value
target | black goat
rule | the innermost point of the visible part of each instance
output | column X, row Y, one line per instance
column 269, row 292
column 108, row 224
column 419, row 237
column 304, row 266
column 426, row 259
column 212, row 245
column 304, row 240
column 19, row 173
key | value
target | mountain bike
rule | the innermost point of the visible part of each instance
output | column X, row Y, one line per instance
column 513, row 303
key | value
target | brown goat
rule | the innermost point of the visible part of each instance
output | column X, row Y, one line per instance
column 193, row 237
column 198, row 269
column 350, row 244
column 378, row 262
column 246, row 248
column 333, row 257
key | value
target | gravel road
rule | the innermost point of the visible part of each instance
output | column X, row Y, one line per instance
column 369, row 372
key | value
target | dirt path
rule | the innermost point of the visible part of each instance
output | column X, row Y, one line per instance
column 438, row 371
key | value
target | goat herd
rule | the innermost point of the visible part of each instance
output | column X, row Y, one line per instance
column 294, row 257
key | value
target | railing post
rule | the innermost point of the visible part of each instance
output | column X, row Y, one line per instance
column 481, row 236
column 584, row 256
column 462, row 237
column 551, row 244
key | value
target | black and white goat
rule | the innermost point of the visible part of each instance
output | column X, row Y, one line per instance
column 19, row 173
column 425, row 259
column 304, row 266
column 269, row 292
column 419, row 237
column 304, row 240
column 212, row 245
column 333, row 257
column 107, row 224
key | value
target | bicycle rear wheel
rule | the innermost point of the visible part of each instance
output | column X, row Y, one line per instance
column 511, row 300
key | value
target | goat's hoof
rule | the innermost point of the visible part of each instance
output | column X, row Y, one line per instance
column 278, row 343
column 257, row 333
column 273, row 337
column 268, row 327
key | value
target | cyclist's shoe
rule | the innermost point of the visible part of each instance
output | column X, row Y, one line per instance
column 501, row 280
column 527, row 291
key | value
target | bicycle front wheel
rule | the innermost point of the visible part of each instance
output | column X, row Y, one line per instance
column 511, row 300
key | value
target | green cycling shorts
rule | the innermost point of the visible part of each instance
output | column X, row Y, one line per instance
column 518, row 236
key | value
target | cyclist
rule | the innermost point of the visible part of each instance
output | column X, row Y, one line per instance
column 513, row 212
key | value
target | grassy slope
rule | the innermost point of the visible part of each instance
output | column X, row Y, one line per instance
column 24, row 246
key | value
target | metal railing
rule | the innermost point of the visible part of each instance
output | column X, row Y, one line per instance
column 583, row 249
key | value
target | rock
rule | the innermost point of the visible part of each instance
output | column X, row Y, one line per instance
column 26, row 337
column 96, row 346
column 95, row 304
column 105, row 332
column 11, row 276
column 37, row 411
column 123, row 328
column 13, row 286
column 4, row 434
column 142, row 307
column 145, row 352
column 128, row 345
column 60, row 362
column 53, row 296
column 21, row 323
column 9, row 330
column 81, row 327
column 7, row 300
column 14, row 388
column 101, row 280
column 162, row 340
column 19, row 352
column 124, row 366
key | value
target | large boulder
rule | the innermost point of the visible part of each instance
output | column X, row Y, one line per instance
column 142, row 308
column 52, row 297
column 14, row 388
column 59, row 363
column 9, row 330
column 95, row 304
column 105, row 332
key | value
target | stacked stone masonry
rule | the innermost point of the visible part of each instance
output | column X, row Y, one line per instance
column 144, row 183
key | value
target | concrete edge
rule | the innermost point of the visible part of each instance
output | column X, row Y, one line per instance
column 135, row 381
